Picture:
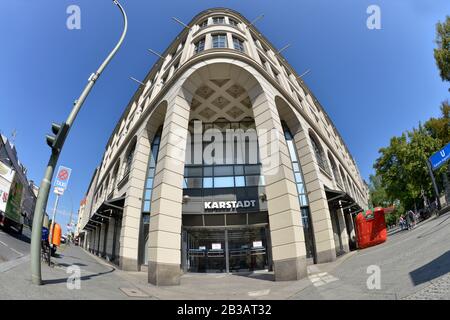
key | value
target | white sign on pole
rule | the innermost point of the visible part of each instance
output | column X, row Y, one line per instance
column 59, row 191
column 62, row 179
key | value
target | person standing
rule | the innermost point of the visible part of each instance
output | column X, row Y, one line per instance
column 411, row 219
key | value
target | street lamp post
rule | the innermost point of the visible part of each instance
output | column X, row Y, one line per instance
column 56, row 144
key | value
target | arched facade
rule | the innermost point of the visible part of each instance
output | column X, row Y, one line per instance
column 229, row 164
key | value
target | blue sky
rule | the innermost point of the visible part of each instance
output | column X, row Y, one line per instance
column 373, row 83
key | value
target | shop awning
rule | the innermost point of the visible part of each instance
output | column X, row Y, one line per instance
column 108, row 209
column 338, row 199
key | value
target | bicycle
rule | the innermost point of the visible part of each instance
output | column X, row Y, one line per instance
column 46, row 250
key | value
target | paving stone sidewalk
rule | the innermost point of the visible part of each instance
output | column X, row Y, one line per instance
column 414, row 265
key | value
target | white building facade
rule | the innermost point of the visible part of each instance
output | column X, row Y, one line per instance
column 223, row 161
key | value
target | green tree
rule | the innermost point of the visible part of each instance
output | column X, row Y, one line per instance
column 378, row 195
column 440, row 128
column 442, row 52
column 403, row 169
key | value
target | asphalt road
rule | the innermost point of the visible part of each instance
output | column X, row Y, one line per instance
column 13, row 246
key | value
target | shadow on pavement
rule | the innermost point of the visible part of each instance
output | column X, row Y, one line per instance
column 88, row 277
column 432, row 270
column 16, row 235
column 258, row 276
column 72, row 264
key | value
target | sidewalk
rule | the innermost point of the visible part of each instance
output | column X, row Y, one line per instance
column 102, row 280
column 98, row 281
column 414, row 264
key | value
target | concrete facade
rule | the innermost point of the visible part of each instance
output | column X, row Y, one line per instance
column 222, row 69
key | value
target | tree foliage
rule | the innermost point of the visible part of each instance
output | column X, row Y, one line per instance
column 440, row 128
column 402, row 167
column 442, row 52
column 378, row 195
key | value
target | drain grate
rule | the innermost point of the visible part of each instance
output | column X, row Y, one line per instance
column 133, row 292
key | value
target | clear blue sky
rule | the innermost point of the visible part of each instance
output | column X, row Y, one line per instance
column 373, row 83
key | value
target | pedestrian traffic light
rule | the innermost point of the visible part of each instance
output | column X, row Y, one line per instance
column 60, row 131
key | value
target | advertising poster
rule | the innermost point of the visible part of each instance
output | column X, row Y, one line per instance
column 6, row 178
column 13, row 207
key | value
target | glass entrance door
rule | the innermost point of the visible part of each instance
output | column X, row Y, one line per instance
column 206, row 251
column 226, row 250
column 247, row 249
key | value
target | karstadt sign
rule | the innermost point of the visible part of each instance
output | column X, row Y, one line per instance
column 229, row 204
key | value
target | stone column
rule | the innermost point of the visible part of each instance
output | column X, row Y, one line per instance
column 88, row 240
column 129, row 237
column 99, row 248
column 351, row 231
column 109, row 239
column 286, row 232
column 318, row 203
column 343, row 230
column 166, row 207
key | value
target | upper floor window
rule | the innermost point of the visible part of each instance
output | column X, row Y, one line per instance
column 275, row 74
column 204, row 23
column 129, row 159
column 238, row 44
column 263, row 62
column 335, row 170
column 320, row 157
column 233, row 22
column 219, row 41
column 218, row 20
column 200, row 45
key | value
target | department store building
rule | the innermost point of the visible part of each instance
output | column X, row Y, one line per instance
column 223, row 161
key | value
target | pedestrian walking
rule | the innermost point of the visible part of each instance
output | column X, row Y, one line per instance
column 410, row 217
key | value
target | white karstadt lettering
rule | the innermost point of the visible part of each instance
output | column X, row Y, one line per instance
column 229, row 204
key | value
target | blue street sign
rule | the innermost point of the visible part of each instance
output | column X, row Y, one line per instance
column 62, row 178
column 440, row 157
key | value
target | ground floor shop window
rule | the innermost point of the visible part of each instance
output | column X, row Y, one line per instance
column 226, row 249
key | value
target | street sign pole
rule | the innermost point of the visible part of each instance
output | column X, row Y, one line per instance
column 433, row 180
column 56, row 144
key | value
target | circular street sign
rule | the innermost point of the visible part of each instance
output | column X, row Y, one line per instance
column 63, row 174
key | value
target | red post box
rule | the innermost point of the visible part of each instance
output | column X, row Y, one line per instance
column 371, row 228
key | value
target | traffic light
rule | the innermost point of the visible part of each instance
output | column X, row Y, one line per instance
column 60, row 131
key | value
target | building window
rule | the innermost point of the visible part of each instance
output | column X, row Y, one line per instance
column 320, row 157
column 335, row 170
column 164, row 78
column 301, row 190
column 107, row 186
column 275, row 74
column 240, row 168
column 176, row 64
column 238, row 44
column 219, row 41
column 153, row 158
column 199, row 45
column 114, row 176
column 129, row 160
column 219, row 20
column 303, row 199
column 204, row 23
column 233, row 22
column 263, row 62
